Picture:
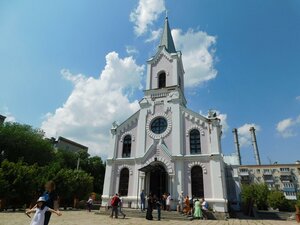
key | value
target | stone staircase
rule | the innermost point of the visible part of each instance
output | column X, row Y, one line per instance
column 165, row 215
column 172, row 215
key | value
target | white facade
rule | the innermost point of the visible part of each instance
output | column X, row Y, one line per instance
column 160, row 157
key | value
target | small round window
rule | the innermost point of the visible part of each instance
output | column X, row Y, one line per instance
column 159, row 125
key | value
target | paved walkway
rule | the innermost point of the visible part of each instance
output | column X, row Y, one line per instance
column 85, row 218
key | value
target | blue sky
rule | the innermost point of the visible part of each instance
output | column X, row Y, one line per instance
column 63, row 64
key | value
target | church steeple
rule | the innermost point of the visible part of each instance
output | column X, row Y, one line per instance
column 167, row 39
column 165, row 73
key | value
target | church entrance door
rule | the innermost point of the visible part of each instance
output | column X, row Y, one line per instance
column 158, row 180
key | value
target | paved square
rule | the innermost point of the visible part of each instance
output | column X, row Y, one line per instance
column 85, row 218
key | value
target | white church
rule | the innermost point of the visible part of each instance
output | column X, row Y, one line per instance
column 166, row 147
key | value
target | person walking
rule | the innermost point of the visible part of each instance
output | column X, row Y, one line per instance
column 114, row 206
column 51, row 198
column 192, row 205
column 187, row 208
column 158, row 207
column 180, row 202
column 40, row 210
column 168, row 202
column 149, row 207
column 121, row 206
column 164, row 198
column 197, row 209
column 143, row 200
column 89, row 203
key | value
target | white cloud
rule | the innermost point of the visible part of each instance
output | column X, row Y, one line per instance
column 298, row 98
column 5, row 112
column 287, row 127
column 155, row 34
column 131, row 50
column 94, row 103
column 198, row 55
column 145, row 14
column 245, row 135
column 223, row 118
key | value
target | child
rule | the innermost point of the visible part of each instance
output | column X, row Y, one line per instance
column 89, row 203
column 40, row 210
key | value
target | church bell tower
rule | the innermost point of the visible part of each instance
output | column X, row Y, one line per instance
column 165, row 71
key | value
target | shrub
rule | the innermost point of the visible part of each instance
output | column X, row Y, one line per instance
column 298, row 203
column 255, row 194
column 277, row 200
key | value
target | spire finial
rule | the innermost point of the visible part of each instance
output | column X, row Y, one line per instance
column 166, row 38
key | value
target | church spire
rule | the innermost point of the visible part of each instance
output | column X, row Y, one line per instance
column 166, row 38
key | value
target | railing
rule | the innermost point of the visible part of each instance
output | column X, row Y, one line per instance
column 243, row 173
column 159, row 95
column 267, row 172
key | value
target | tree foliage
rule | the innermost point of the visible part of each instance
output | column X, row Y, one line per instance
column 256, row 194
column 28, row 161
column 22, row 142
column 277, row 200
column 23, row 182
column 73, row 184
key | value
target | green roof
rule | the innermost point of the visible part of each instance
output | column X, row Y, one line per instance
column 167, row 39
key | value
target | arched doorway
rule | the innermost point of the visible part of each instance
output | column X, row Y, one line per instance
column 197, row 181
column 156, row 178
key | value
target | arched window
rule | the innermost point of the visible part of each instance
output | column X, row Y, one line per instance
column 197, row 182
column 195, row 144
column 162, row 80
column 126, row 146
column 124, row 181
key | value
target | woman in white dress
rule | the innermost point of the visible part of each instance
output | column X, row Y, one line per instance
column 168, row 202
column 40, row 210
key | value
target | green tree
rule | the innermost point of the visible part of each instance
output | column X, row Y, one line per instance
column 261, row 196
column 255, row 194
column 66, row 159
column 277, row 200
column 92, row 165
column 4, row 190
column 96, row 169
column 23, row 182
column 72, row 184
column 22, row 142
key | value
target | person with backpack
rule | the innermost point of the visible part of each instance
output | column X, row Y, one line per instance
column 114, row 206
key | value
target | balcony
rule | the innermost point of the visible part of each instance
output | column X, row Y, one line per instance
column 285, row 171
column 244, row 173
column 245, row 179
column 267, row 172
column 289, row 189
column 286, row 178
column 269, row 178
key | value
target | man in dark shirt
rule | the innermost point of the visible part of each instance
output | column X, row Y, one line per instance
column 51, row 198
column 143, row 200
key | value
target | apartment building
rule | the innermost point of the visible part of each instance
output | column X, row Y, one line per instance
column 284, row 177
